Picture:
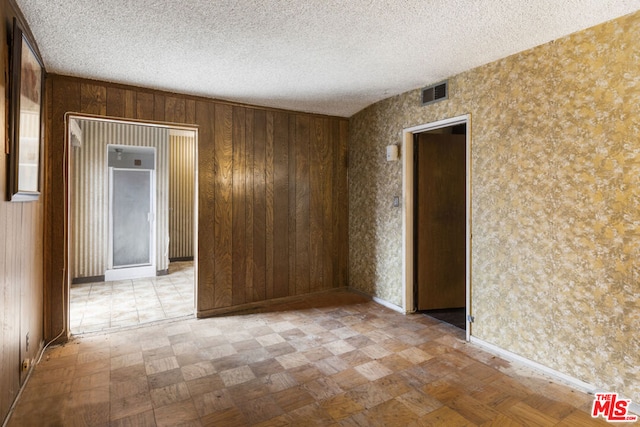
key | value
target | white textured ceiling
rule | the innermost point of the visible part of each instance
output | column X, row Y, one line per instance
column 324, row 56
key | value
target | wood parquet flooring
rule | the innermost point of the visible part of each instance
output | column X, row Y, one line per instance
column 334, row 359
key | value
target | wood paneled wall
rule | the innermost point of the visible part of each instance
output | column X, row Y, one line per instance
column 21, row 254
column 272, row 202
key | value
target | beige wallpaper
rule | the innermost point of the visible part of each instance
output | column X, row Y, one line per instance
column 182, row 160
column 555, row 137
column 90, row 205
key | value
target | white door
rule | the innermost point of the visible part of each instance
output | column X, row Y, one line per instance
column 131, row 224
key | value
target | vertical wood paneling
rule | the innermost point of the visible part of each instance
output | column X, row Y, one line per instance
column 206, row 205
column 302, row 204
column 190, row 111
column 65, row 96
column 158, row 107
column 337, row 159
column 21, row 253
column 9, row 355
column 316, row 145
column 281, row 205
column 94, row 99
column 327, row 209
column 10, row 368
column 269, row 207
column 239, row 212
column 341, row 213
column 32, row 281
column 272, row 192
column 115, row 102
column 292, row 205
column 259, row 205
column 223, row 165
column 144, row 106
column 129, row 104
column 9, row 296
column 24, row 276
column 249, row 207
column 174, row 109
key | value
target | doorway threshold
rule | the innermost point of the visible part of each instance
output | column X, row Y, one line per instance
column 452, row 316
column 130, row 273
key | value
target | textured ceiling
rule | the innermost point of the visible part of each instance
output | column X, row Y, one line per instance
column 325, row 56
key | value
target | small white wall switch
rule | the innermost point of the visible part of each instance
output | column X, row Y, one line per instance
column 392, row 153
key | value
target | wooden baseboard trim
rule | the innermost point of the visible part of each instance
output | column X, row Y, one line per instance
column 263, row 305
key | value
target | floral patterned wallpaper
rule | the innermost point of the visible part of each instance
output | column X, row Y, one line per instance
column 555, row 134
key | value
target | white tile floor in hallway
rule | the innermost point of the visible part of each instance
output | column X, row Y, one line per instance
column 106, row 305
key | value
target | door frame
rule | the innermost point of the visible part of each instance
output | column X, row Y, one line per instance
column 408, row 185
column 68, row 188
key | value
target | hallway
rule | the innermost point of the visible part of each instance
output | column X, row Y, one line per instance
column 108, row 305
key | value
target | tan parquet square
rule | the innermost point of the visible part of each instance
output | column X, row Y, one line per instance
column 335, row 359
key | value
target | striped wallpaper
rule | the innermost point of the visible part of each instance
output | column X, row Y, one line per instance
column 89, row 198
column 181, row 193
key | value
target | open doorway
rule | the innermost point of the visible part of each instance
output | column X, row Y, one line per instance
column 439, row 223
column 131, row 255
column 132, row 212
column 437, row 236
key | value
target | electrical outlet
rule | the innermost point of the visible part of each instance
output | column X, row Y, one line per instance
column 396, row 201
column 25, row 364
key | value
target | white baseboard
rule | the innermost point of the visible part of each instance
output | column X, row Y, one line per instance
column 567, row 379
column 379, row 301
column 634, row 407
column 388, row 305
column 574, row 382
column 130, row 273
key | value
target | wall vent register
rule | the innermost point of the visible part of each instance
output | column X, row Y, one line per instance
column 435, row 93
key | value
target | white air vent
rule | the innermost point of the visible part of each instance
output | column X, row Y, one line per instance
column 435, row 93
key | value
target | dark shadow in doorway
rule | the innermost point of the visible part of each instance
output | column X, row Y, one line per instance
column 453, row 316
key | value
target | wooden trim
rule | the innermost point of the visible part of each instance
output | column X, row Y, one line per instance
column 128, row 121
column 264, row 305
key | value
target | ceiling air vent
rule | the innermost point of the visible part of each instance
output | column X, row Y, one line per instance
column 435, row 93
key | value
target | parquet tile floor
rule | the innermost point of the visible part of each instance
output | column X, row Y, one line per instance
column 335, row 359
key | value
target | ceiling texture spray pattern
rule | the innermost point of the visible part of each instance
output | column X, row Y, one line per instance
column 321, row 56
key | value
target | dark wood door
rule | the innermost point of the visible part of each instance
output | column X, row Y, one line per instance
column 440, row 220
